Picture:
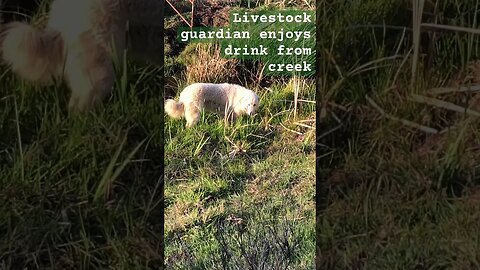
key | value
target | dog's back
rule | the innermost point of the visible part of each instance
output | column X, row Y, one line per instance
column 199, row 92
column 230, row 100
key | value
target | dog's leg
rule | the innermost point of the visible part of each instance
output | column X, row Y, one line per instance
column 192, row 114
column 230, row 118
column 229, row 115
column 90, row 75
column 89, row 89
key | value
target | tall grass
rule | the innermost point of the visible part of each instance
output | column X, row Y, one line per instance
column 81, row 190
column 399, row 142
column 226, row 183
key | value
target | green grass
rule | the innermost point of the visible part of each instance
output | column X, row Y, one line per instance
column 81, row 190
column 399, row 197
column 241, row 196
column 84, row 191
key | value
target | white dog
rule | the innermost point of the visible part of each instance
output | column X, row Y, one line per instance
column 229, row 100
column 81, row 40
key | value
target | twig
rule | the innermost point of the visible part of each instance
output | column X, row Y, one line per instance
column 291, row 130
column 336, row 118
column 329, row 131
column 418, row 6
column 335, row 105
column 304, row 100
column 190, row 24
column 434, row 26
column 303, row 125
column 306, row 120
column 424, row 27
column 403, row 121
column 296, row 89
column 444, row 104
column 446, row 90
column 382, row 26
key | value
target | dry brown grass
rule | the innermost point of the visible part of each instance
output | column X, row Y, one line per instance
column 304, row 4
column 207, row 65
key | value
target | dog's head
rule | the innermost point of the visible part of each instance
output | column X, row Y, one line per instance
column 250, row 102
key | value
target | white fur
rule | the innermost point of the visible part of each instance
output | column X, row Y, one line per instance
column 228, row 100
column 80, row 42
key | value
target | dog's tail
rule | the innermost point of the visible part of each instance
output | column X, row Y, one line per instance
column 36, row 55
column 174, row 109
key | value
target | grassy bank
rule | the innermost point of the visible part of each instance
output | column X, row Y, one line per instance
column 81, row 191
column 240, row 196
column 398, row 157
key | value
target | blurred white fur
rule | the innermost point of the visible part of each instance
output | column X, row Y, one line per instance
column 80, row 42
